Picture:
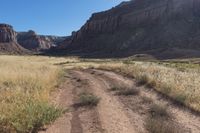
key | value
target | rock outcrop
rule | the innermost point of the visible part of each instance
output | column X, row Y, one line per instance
column 8, row 41
column 7, row 34
column 31, row 41
column 13, row 42
column 140, row 26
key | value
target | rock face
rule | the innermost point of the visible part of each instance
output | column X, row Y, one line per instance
column 7, row 34
column 31, row 41
column 23, row 42
column 8, row 41
column 141, row 26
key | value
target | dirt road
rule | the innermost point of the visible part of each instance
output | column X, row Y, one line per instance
column 114, row 113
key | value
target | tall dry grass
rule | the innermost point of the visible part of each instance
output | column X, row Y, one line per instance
column 25, row 87
column 182, row 86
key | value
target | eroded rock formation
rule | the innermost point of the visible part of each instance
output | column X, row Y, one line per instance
column 30, row 40
column 24, row 42
column 7, row 34
column 140, row 26
column 8, row 41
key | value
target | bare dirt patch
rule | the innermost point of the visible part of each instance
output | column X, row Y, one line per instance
column 183, row 118
column 117, row 113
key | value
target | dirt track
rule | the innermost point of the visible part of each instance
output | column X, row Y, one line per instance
column 114, row 114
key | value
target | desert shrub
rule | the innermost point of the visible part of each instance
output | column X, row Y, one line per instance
column 151, row 84
column 160, row 125
column 181, row 98
column 115, row 88
column 87, row 99
column 158, row 110
column 159, row 120
column 147, row 100
column 127, row 92
column 142, row 80
column 166, row 89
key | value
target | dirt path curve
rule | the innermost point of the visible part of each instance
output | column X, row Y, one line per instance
column 114, row 114
column 189, row 121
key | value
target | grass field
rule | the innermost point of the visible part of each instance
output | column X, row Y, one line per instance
column 178, row 79
column 180, row 85
column 25, row 87
column 26, row 84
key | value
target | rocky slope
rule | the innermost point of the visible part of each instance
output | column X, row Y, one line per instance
column 8, row 41
column 163, row 28
column 31, row 41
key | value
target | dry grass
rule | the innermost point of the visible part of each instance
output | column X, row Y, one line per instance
column 25, row 87
column 26, row 83
column 128, row 92
column 159, row 125
column 181, row 86
column 87, row 99
column 158, row 110
column 160, row 120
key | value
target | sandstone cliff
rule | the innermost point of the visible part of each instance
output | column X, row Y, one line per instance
column 31, row 41
column 13, row 42
column 141, row 26
column 8, row 41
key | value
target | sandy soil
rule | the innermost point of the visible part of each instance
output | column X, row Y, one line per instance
column 114, row 113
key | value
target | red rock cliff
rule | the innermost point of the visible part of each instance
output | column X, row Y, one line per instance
column 139, row 25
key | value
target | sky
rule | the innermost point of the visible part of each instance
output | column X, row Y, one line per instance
column 51, row 17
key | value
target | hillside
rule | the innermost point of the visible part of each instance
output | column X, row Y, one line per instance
column 162, row 28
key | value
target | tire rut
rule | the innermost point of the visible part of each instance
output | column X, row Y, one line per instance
column 187, row 121
column 114, row 114
column 76, row 126
column 111, row 112
column 85, row 119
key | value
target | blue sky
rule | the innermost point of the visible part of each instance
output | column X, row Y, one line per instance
column 51, row 17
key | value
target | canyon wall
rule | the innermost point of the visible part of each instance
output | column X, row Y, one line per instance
column 134, row 13
column 139, row 25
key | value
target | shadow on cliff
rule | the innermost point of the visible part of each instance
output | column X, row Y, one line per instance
column 158, row 54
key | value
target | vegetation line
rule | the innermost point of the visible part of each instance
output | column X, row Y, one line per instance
column 182, row 87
